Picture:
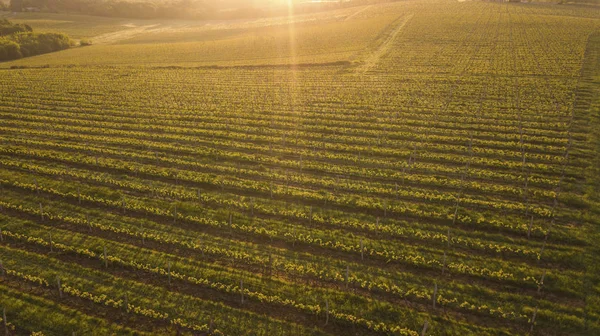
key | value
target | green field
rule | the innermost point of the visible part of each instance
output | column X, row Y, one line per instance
column 406, row 168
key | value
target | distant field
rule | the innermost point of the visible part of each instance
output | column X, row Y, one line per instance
column 316, row 38
column 434, row 170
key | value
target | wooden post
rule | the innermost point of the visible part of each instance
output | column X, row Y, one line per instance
column 435, row 290
column 425, row 326
column 326, row 311
column 444, row 263
column 50, row 237
column 78, row 195
column 2, row 272
column 169, row 271
column 4, row 321
column 310, row 217
column 385, row 206
column 42, row 211
column 105, row 259
column 362, row 250
column 126, row 303
column 242, row 290
column 1, row 236
column 347, row 274
column 542, row 250
column 60, row 294
column 530, row 226
column 542, row 281
column 175, row 213
column 533, row 320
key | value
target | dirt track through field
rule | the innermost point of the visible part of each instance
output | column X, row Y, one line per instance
column 124, row 34
column 385, row 46
column 350, row 17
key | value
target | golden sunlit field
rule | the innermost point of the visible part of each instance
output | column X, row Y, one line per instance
column 401, row 168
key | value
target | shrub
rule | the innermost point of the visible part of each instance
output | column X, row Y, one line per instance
column 85, row 42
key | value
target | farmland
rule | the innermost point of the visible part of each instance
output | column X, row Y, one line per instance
column 407, row 168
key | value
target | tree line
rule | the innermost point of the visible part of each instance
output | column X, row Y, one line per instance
column 19, row 40
column 179, row 9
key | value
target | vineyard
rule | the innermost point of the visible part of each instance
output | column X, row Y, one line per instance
column 408, row 168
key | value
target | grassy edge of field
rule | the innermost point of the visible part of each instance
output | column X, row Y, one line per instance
column 590, row 82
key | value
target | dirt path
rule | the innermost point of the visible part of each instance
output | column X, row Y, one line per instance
column 385, row 46
column 358, row 13
column 124, row 34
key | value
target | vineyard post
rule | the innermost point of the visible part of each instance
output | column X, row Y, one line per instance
column 2, row 272
column 347, row 274
column 4, row 321
column 126, row 303
column 105, row 259
column 542, row 281
column 435, row 290
column 60, row 294
column 78, row 195
column 533, row 320
column 50, row 238
column 543, row 248
column 529, row 229
column 1, row 236
column 87, row 220
column 242, row 290
column 310, row 217
column 326, row 311
column 425, row 326
column 446, row 252
column 198, row 194
column 175, row 213
column 385, row 206
column 403, row 175
column 444, row 262
column 270, row 264
column 42, row 211
column 362, row 250
column 37, row 186
column 169, row 271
